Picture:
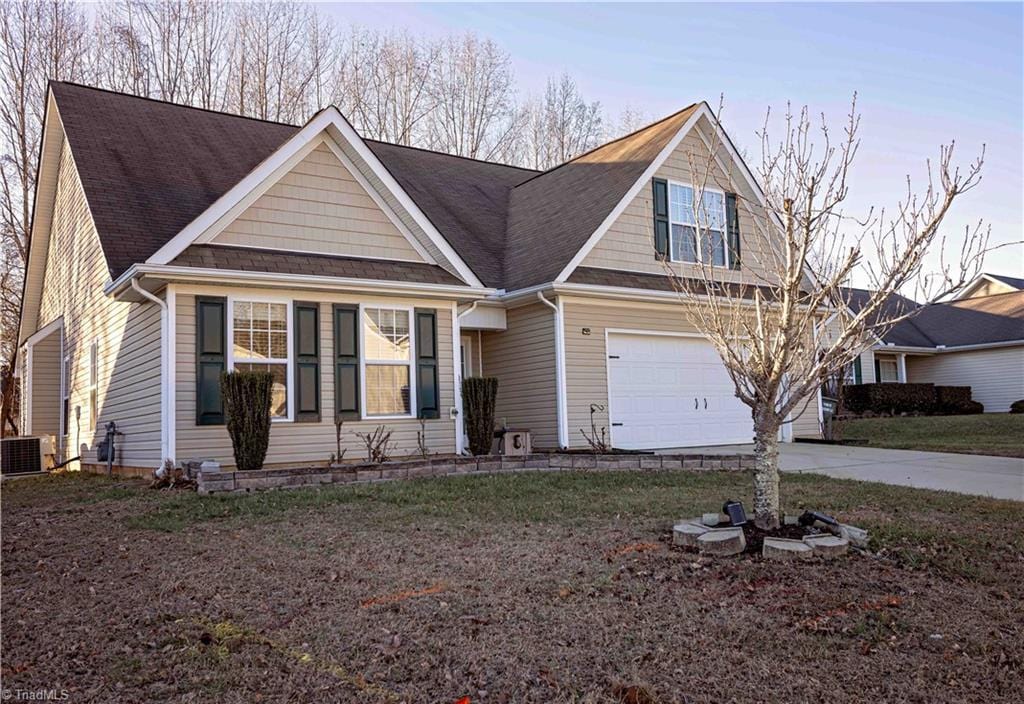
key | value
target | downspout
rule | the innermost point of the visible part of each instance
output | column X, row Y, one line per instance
column 560, row 401
column 166, row 417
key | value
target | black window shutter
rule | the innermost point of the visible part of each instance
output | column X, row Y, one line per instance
column 878, row 371
column 427, row 396
column 307, row 362
column 858, row 374
column 211, row 358
column 732, row 225
column 660, row 186
column 346, row 362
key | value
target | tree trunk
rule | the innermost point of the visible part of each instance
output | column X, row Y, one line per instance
column 766, row 475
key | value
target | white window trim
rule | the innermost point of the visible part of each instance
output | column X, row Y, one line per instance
column 699, row 229
column 896, row 369
column 363, row 414
column 290, row 362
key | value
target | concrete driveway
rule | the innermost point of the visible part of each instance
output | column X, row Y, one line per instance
column 1001, row 477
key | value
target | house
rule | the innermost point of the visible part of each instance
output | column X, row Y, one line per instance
column 171, row 243
column 975, row 340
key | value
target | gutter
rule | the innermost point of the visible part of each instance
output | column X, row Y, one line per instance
column 560, row 392
column 945, row 349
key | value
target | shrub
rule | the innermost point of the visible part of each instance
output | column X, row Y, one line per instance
column 1017, row 406
column 889, row 398
column 247, row 397
column 479, row 396
column 923, row 399
column 954, row 400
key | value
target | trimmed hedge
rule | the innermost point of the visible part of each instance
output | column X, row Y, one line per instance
column 923, row 399
column 1017, row 406
column 247, row 397
column 479, row 397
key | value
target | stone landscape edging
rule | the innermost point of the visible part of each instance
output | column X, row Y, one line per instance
column 246, row 481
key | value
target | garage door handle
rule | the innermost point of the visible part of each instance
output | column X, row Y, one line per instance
column 613, row 356
column 696, row 406
column 705, row 404
column 616, row 425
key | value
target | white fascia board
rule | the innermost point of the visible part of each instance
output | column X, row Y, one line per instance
column 302, row 281
column 42, row 217
column 329, row 117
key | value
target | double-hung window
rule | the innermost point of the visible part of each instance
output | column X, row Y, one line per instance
column 685, row 215
column 387, row 361
column 260, row 334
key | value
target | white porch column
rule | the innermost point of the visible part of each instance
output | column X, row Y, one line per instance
column 902, row 368
column 457, row 372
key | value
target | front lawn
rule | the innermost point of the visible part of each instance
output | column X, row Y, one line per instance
column 981, row 434
column 535, row 587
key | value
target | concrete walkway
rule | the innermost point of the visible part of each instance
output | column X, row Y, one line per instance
column 1001, row 477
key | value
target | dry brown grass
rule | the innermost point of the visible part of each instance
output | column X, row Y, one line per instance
column 551, row 592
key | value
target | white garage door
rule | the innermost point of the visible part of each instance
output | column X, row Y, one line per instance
column 669, row 391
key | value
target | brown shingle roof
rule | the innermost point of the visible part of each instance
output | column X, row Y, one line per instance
column 149, row 168
column 553, row 214
column 232, row 258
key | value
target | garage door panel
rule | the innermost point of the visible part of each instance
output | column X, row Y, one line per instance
column 671, row 392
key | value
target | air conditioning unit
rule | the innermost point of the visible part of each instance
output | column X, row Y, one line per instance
column 26, row 454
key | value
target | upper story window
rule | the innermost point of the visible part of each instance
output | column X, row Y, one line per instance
column 684, row 216
column 260, row 341
column 387, row 358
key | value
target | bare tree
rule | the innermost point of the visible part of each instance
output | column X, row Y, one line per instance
column 561, row 125
column 386, row 86
column 473, row 92
column 38, row 41
column 782, row 324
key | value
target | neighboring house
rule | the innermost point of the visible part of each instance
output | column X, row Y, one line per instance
column 170, row 244
column 976, row 340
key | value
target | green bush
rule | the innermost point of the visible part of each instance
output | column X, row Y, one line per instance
column 924, row 399
column 247, row 397
column 479, row 396
column 889, row 398
column 1017, row 406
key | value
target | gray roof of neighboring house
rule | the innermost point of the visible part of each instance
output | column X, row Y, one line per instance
column 149, row 168
column 969, row 321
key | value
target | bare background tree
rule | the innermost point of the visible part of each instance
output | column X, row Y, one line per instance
column 783, row 326
column 278, row 61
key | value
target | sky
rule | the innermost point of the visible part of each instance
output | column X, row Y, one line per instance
column 924, row 74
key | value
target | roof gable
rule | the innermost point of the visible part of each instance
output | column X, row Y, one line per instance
column 554, row 214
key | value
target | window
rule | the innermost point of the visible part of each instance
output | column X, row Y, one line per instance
column 684, row 217
column 260, row 334
column 93, row 383
column 387, row 356
column 888, row 372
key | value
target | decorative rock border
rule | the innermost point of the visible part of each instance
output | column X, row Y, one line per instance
column 240, row 482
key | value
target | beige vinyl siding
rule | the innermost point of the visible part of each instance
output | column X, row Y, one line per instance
column 522, row 357
column 319, row 207
column 996, row 376
column 291, row 442
column 396, row 207
column 805, row 419
column 128, row 340
column 45, row 373
column 629, row 242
